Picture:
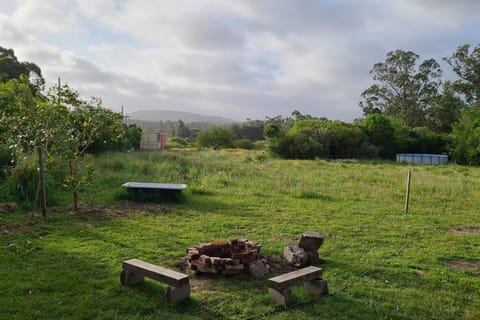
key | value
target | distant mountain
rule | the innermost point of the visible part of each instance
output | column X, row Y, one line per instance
column 187, row 117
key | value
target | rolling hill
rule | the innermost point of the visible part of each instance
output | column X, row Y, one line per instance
column 170, row 115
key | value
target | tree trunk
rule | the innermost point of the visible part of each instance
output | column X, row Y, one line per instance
column 73, row 185
column 75, row 200
column 41, row 163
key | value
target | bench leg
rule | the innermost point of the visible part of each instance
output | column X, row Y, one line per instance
column 316, row 286
column 283, row 297
column 128, row 278
column 178, row 294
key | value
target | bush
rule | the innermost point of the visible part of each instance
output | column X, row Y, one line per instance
column 244, row 144
column 216, row 138
column 466, row 136
column 177, row 142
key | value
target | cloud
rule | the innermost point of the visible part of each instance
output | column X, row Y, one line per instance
column 240, row 59
column 46, row 16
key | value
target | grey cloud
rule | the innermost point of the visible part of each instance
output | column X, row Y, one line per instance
column 208, row 33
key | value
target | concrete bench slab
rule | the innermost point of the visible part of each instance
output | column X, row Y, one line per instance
column 279, row 287
column 154, row 186
column 134, row 271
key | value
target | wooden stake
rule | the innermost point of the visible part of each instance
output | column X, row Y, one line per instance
column 407, row 196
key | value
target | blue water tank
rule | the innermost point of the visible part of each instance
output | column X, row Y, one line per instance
column 422, row 158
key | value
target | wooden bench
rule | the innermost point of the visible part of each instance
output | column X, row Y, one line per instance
column 280, row 287
column 134, row 271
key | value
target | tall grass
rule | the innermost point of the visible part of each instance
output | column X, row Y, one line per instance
column 379, row 262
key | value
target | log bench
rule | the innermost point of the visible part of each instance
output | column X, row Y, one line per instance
column 134, row 271
column 280, row 287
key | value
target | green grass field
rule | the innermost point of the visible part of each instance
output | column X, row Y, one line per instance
column 379, row 262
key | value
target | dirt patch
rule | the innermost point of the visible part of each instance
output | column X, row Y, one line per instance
column 11, row 228
column 117, row 210
column 465, row 231
column 472, row 266
column 7, row 207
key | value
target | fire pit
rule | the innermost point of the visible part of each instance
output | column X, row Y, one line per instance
column 236, row 256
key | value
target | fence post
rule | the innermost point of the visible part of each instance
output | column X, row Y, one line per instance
column 407, row 196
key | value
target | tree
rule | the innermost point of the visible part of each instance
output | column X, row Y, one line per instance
column 466, row 64
column 86, row 122
column 381, row 133
column 466, row 135
column 11, row 68
column 30, row 123
column 216, row 138
column 445, row 110
column 180, row 129
column 403, row 90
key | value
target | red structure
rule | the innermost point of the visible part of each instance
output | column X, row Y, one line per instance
column 163, row 140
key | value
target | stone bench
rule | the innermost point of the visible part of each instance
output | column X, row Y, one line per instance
column 134, row 271
column 280, row 287
column 153, row 191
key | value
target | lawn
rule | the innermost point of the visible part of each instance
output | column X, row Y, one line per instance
column 380, row 263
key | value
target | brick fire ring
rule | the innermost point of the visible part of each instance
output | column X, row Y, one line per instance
column 223, row 257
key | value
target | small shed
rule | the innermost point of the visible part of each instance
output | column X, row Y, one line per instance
column 422, row 158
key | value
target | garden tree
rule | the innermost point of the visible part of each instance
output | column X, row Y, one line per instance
column 466, row 135
column 404, row 90
column 87, row 122
column 466, row 64
column 30, row 123
column 216, row 138
column 11, row 68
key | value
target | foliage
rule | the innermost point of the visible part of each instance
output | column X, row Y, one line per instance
column 11, row 68
column 246, row 144
column 7, row 159
column 380, row 132
column 466, row 134
column 348, row 141
column 404, row 90
column 466, row 64
column 445, row 110
column 177, row 142
column 61, row 124
column 311, row 138
column 216, row 138
column 251, row 130
column 180, row 129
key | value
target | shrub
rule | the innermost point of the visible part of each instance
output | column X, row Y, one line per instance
column 216, row 138
column 244, row 144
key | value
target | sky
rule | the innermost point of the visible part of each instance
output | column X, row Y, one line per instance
column 240, row 59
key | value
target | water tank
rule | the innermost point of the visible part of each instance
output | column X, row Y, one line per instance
column 422, row 158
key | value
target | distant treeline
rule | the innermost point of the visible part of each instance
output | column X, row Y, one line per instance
column 409, row 108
